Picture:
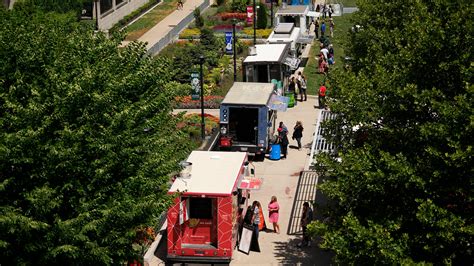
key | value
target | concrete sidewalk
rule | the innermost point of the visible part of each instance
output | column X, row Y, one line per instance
column 161, row 29
column 281, row 180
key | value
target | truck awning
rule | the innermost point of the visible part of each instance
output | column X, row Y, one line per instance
column 250, row 183
column 305, row 39
column 292, row 62
column 278, row 103
column 314, row 14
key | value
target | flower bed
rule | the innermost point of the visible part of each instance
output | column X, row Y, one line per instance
column 228, row 15
column 192, row 124
column 190, row 33
column 210, row 102
column 224, row 28
column 261, row 33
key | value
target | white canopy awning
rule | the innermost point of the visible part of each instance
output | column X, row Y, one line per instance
column 313, row 14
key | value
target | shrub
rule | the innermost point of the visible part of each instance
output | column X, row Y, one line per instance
column 239, row 5
column 198, row 19
column 262, row 16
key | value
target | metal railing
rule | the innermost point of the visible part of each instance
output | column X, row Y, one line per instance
column 319, row 142
column 170, row 36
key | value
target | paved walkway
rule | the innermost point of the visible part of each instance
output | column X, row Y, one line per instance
column 166, row 25
column 281, row 178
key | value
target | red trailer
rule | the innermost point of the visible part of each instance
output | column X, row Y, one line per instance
column 204, row 221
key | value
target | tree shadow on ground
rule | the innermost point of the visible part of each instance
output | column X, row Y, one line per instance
column 288, row 253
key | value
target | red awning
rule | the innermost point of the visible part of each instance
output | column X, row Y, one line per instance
column 251, row 183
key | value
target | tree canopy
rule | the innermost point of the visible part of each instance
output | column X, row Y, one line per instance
column 87, row 142
column 400, row 181
column 61, row 6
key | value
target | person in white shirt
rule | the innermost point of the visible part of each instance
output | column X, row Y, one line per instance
column 325, row 52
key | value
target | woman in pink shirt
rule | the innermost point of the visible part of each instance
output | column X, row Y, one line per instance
column 273, row 209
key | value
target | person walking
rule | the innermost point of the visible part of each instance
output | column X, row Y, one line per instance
column 273, row 216
column 323, row 28
column 298, row 133
column 302, row 82
column 283, row 140
column 306, row 218
column 322, row 96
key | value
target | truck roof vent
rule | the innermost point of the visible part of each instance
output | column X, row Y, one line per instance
column 252, row 50
column 186, row 169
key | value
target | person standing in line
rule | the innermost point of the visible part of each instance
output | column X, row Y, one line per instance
column 330, row 11
column 292, row 87
column 325, row 52
column 323, row 28
column 321, row 63
column 331, row 27
column 273, row 216
column 331, row 51
column 255, row 218
column 316, row 28
column 298, row 133
column 322, row 96
column 302, row 82
column 323, row 10
column 283, row 127
column 283, row 140
column 306, row 218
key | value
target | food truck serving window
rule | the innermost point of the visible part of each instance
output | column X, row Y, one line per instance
column 200, row 208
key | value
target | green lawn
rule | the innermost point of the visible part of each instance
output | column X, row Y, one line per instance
column 346, row 3
column 342, row 25
column 148, row 21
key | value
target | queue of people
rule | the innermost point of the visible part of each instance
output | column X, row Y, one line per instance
column 255, row 218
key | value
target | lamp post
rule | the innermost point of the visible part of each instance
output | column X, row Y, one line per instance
column 233, row 48
column 201, row 62
column 254, row 23
column 96, row 14
column 271, row 13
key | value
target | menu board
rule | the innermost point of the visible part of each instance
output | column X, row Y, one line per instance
column 246, row 239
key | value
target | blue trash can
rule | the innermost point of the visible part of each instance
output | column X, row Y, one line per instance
column 275, row 152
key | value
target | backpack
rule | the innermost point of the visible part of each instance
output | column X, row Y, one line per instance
column 303, row 83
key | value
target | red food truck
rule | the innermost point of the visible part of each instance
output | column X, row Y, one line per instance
column 204, row 221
